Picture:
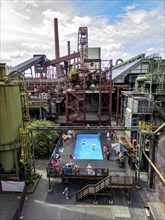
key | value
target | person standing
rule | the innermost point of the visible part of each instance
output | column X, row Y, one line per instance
column 108, row 135
column 108, row 155
column 105, row 150
column 64, row 137
column 65, row 192
column 112, row 136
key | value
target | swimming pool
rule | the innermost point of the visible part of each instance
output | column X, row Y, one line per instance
column 88, row 147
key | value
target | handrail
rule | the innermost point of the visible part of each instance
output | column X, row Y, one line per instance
column 109, row 181
column 94, row 187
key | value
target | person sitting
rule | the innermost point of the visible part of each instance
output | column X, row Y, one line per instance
column 54, row 163
column 69, row 167
column 58, row 157
column 89, row 170
column 69, row 164
column 76, row 168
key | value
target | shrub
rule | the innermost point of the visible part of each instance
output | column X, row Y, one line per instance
column 43, row 140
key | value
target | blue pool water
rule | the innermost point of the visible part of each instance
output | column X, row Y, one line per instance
column 88, row 147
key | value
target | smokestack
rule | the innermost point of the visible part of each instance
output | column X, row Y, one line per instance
column 57, row 50
column 68, row 43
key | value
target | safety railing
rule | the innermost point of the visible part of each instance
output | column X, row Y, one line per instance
column 114, row 180
column 75, row 171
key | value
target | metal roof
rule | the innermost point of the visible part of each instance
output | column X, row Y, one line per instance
column 121, row 69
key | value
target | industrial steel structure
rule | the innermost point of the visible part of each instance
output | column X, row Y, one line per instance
column 80, row 93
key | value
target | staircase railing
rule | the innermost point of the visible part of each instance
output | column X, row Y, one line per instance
column 93, row 188
column 114, row 180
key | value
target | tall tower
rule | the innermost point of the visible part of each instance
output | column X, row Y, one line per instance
column 57, row 48
column 83, row 44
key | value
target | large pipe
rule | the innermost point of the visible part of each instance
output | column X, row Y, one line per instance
column 57, row 49
column 88, row 127
column 160, row 128
column 156, row 170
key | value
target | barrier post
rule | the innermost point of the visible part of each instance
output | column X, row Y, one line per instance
column 49, row 189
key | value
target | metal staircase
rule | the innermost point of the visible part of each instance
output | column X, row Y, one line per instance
column 92, row 189
column 117, row 179
column 76, row 105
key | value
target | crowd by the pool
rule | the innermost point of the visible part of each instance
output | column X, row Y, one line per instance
column 70, row 166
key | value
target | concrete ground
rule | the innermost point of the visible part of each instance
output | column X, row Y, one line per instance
column 44, row 205
column 8, row 205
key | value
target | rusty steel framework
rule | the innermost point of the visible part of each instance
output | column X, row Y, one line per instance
column 76, row 99
column 84, row 66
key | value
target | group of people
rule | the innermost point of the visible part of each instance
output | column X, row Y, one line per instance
column 71, row 167
column 67, row 136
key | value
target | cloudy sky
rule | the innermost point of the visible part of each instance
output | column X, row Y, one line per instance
column 123, row 29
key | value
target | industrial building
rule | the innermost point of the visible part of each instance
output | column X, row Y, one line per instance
column 82, row 92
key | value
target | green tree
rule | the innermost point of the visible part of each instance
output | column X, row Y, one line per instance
column 43, row 140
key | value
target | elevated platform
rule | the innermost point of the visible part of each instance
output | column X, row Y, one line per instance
column 104, row 175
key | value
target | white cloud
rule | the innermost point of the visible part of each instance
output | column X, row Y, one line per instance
column 81, row 21
column 150, row 49
column 130, row 7
column 30, row 30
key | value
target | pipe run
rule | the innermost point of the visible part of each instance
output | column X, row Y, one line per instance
column 156, row 170
column 161, row 127
column 88, row 127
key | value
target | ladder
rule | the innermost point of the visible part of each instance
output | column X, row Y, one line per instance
column 24, row 145
column 24, row 99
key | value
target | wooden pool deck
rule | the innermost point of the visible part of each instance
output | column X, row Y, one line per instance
column 106, row 174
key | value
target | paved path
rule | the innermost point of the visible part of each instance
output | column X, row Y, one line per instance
column 43, row 205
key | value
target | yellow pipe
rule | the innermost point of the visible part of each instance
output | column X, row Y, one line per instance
column 157, row 130
column 157, row 171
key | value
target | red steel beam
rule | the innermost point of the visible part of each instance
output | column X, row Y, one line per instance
column 62, row 59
